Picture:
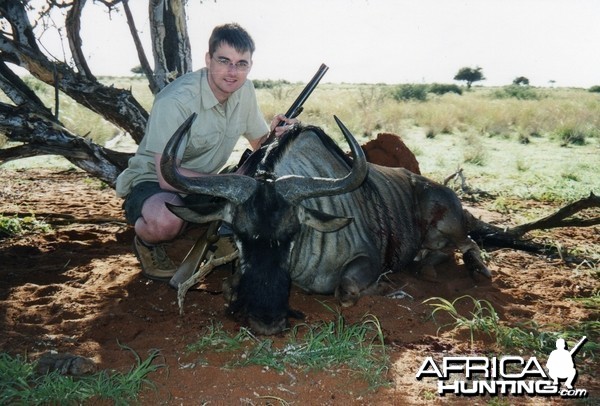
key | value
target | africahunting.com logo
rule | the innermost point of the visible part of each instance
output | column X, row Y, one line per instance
column 507, row 375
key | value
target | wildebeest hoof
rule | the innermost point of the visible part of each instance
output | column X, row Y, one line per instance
column 296, row 314
column 348, row 296
column 230, row 286
column 475, row 264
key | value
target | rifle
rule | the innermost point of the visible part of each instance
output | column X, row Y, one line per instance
column 293, row 112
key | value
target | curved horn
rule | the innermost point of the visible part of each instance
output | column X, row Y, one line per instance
column 297, row 188
column 235, row 188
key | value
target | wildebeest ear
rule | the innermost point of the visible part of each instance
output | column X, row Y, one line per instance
column 202, row 213
column 320, row 221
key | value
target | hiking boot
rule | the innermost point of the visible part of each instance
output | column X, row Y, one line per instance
column 155, row 262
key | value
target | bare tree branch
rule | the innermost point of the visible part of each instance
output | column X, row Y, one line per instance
column 116, row 105
column 154, row 86
column 22, row 32
column 46, row 137
column 512, row 237
column 200, row 274
column 464, row 188
column 73, row 26
column 559, row 219
column 29, row 121
column 20, row 94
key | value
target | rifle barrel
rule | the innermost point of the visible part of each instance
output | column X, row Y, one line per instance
column 308, row 89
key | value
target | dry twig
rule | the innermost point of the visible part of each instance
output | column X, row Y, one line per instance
column 201, row 274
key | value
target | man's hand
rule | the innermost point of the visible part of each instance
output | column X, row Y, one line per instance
column 282, row 129
column 279, row 130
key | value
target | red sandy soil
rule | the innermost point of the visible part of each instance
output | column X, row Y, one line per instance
column 78, row 289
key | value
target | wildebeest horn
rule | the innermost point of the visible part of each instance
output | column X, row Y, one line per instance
column 235, row 188
column 297, row 188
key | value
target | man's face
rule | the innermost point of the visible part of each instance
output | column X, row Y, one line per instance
column 227, row 70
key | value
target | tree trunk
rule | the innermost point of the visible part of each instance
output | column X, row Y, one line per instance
column 170, row 43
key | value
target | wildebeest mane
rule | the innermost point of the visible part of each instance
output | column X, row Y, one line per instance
column 262, row 161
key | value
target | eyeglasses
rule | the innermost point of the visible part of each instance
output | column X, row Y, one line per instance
column 241, row 66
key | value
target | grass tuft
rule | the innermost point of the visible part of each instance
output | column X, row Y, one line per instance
column 332, row 345
column 14, row 225
column 529, row 335
column 20, row 384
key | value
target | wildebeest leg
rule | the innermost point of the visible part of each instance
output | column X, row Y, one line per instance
column 455, row 238
column 472, row 258
column 426, row 261
column 469, row 249
column 358, row 278
column 230, row 286
column 447, row 226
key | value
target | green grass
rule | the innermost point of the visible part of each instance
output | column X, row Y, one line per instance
column 20, row 385
column 590, row 302
column 331, row 346
column 11, row 226
column 214, row 338
column 483, row 319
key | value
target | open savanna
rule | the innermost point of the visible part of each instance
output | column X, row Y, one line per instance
column 516, row 141
column 73, row 286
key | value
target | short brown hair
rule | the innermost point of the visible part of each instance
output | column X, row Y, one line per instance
column 232, row 34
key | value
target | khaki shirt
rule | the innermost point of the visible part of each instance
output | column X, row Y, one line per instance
column 213, row 134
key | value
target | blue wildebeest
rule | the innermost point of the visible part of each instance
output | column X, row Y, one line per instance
column 303, row 212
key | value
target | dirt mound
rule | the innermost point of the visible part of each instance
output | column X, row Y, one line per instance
column 389, row 150
column 78, row 289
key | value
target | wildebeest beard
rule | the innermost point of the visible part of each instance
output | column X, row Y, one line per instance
column 263, row 291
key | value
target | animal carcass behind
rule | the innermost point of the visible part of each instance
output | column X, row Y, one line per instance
column 304, row 212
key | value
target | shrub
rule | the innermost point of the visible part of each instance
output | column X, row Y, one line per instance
column 571, row 135
column 409, row 92
column 595, row 89
column 442, row 88
column 473, row 151
column 13, row 226
column 521, row 80
column 516, row 92
column 269, row 84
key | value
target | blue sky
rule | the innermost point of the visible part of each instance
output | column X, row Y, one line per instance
column 373, row 41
